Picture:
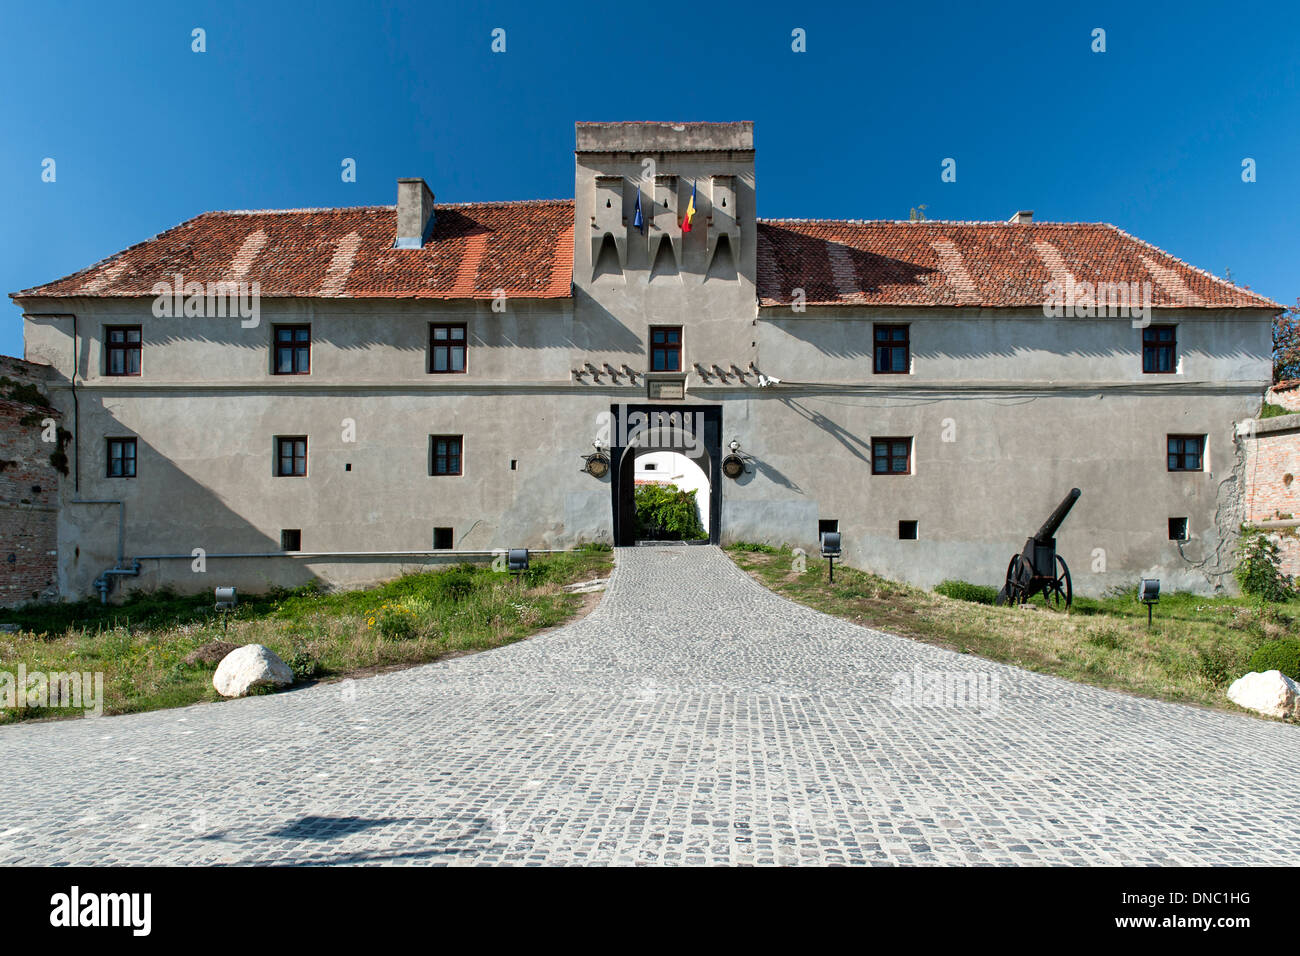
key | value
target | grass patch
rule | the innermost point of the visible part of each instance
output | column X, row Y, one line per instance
column 1194, row 648
column 141, row 645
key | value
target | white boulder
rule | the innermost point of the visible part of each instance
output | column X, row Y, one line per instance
column 247, row 667
column 1268, row 692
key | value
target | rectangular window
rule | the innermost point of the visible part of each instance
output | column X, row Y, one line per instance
column 292, row 349
column 442, row 539
column 291, row 539
column 907, row 530
column 893, row 350
column 1186, row 452
column 445, row 451
column 891, row 456
column 1177, row 529
column 123, row 345
column 666, row 349
column 446, row 348
column 291, row 456
column 121, row 458
column 1159, row 349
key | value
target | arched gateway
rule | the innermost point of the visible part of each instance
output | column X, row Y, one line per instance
column 691, row 430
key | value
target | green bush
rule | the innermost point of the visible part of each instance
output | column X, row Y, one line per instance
column 1259, row 568
column 303, row 664
column 1283, row 655
column 1268, row 410
column 667, row 513
column 1216, row 665
column 456, row 584
column 965, row 591
column 754, row 548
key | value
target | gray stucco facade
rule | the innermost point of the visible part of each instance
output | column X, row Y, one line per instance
column 1006, row 409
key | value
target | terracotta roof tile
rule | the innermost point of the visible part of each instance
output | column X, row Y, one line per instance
column 989, row 264
column 525, row 249
column 522, row 248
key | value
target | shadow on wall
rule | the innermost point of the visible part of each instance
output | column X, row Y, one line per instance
column 162, row 505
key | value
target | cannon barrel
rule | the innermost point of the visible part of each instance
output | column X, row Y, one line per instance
column 1048, row 530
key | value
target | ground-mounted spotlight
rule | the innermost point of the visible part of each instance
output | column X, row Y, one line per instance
column 227, row 599
column 832, row 548
column 1149, row 594
column 517, row 562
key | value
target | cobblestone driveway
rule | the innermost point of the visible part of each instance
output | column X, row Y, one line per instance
column 694, row 717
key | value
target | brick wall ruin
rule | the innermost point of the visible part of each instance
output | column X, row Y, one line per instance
column 1272, row 486
column 28, row 485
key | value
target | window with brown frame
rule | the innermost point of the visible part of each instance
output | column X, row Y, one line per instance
column 1159, row 349
column 891, row 456
column 121, row 458
column 1186, row 452
column 292, row 350
column 666, row 349
column 447, row 349
column 445, row 454
column 123, row 350
column 291, row 456
column 893, row 350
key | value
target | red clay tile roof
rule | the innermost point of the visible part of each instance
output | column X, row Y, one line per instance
column 1286, row 386
column 526, row 249
column 523, row 248
column 989, row 264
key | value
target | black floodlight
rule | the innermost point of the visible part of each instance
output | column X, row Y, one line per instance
column 517, row 559
column 1149, row 594
column 831, row 549
column 733, row 466
column 227, row 598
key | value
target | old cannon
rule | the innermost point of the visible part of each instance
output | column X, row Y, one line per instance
column 1039, row 569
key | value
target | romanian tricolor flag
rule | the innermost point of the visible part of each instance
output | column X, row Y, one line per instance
column 690, row 211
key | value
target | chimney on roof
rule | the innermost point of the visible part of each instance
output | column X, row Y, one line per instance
column 414, row 214
column 1022, row 217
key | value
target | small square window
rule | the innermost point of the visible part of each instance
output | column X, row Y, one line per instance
column 666, row 349
column 893, row 350
column 907, row 531
column 1186, row 452
column 447, row 349
column 121, row 458
column 891, row 456
column 122, row 355
column 292, row 350
column 291, row 456
column 1159, row 349
column 291, row 539
column 442, row 539
column 1177, row 529
column 445, row 454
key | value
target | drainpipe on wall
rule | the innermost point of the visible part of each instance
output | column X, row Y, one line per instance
column 104, row 582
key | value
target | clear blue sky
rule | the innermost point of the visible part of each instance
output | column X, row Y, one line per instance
column 1149, row 135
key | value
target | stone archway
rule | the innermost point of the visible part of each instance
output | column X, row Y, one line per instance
column 694, row 432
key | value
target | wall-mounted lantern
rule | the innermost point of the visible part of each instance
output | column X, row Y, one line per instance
column 597, row 463
column 733, row 466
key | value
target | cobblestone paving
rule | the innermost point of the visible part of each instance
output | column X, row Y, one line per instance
column 693, row 718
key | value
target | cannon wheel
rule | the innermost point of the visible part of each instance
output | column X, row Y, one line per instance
column 1012, row 588
column 1060, row 590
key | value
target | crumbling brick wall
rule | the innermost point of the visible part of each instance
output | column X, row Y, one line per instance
column 29, row 482
column 1273, row 483
column 1286, row 395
